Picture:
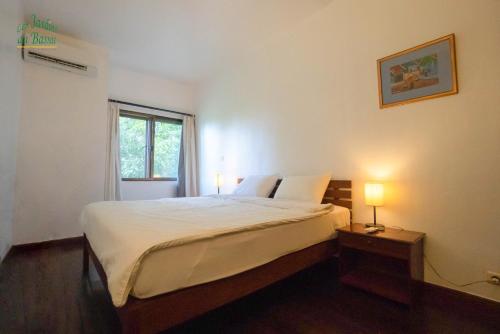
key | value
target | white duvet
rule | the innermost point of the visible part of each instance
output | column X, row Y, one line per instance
column 123, row 233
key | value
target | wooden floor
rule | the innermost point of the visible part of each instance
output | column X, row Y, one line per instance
column 41, row 291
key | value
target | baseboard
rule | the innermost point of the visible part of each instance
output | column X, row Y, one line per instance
column 481, row 309
column 4, row 253
column 49, row 243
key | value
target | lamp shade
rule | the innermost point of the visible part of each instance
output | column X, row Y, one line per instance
column 219, row 180
column 374, row 194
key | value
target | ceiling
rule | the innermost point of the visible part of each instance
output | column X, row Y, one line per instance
column 184, row 40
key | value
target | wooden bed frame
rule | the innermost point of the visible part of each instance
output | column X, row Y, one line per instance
column 161, row 312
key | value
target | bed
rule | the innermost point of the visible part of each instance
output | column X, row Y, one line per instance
column 211, row 269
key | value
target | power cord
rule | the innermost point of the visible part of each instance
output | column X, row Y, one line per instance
column 439, row 275
column 450, row 282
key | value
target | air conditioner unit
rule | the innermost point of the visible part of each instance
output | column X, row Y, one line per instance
column 62, row 57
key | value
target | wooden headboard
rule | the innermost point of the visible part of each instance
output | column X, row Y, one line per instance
column 337, row 193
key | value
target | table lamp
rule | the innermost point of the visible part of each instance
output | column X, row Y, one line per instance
column 374, row 196
column 219, row 180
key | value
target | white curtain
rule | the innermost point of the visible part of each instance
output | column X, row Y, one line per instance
column 187, row 180
column 112, row 191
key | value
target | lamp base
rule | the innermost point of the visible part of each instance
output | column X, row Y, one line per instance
column 377, row 226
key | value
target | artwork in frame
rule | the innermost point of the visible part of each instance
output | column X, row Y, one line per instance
column 423, row 72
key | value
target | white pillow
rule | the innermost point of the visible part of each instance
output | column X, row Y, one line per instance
column 256, row 185
column 309, row 188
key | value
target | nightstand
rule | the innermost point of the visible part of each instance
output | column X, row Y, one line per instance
column 386, row 263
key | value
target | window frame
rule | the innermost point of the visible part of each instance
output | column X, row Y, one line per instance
column 150, row 142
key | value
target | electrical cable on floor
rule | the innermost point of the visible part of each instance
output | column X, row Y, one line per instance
column 450, row 282
column 438, row 274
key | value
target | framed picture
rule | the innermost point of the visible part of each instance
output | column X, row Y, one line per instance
column 423, row 72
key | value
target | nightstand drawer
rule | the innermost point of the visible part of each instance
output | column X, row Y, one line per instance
column 376, row 245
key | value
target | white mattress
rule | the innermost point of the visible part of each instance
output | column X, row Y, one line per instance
column 207, row 260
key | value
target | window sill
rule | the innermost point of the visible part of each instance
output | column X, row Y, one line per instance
column 150, row 179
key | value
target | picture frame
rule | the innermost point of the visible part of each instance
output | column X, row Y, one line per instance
column 423, row 72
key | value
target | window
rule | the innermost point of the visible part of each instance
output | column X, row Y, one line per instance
column 149, row 147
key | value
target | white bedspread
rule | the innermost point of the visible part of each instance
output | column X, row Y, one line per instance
column 123, row 233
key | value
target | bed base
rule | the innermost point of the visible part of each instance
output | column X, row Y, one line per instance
column 161, row 312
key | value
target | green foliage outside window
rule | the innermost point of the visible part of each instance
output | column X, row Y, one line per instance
column 134, row 143
column 167, row 146
column 133, row 134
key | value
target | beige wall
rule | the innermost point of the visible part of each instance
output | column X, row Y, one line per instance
column 154, row 90
column 10, row 108
column 308, row 102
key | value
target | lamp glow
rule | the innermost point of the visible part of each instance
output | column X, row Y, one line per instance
column 374, row 194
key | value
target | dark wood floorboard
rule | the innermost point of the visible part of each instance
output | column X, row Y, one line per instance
column 42, row 291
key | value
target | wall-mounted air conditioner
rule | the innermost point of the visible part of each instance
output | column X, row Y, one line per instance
column 61, row 57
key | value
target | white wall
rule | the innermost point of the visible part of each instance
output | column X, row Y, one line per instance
column 10, row 107
column 147, row 89
column 139, row 190
column 61, row 149
column 308, row 102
